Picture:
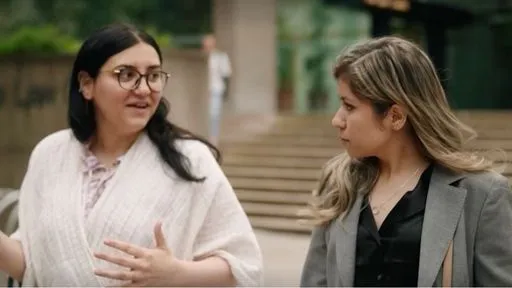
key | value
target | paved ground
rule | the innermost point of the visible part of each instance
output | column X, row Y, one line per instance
column 283, row 257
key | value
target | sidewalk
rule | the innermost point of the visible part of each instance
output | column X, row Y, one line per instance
column 283, row 257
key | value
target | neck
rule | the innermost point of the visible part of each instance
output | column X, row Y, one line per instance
column 108, row 145
column 401, row 157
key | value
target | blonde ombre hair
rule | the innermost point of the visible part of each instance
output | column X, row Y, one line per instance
column 387, row 71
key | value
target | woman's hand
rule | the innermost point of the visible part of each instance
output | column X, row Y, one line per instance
column 147, row 267
column 12, row 260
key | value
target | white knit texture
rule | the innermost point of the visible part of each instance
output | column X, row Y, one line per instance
column 199, row 219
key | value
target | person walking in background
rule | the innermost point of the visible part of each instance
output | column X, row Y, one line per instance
column 219, row 74
column 125, row 197
column 407, row 204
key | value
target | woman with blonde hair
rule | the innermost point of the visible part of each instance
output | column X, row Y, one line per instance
column 406, row 204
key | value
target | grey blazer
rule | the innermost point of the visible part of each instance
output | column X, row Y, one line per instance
column 473, row 210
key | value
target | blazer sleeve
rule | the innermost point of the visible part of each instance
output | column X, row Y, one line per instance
column 314, row 269
column 493, row 244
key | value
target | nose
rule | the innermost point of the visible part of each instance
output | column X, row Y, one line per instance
column 143, row 87
column 338, row 121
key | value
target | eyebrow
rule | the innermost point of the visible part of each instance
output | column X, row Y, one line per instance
column 131, row 66
column 346, row 100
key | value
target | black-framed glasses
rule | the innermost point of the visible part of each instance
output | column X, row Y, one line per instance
column 130, row 79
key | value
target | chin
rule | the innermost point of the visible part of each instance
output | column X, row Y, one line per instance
column 135, row 126
column 356, row 154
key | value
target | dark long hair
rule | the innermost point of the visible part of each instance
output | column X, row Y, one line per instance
column 95, row 51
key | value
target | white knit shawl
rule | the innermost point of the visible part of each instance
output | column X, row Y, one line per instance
column 199, row 219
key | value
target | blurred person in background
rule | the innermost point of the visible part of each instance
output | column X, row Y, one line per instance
column 219, row 74
column 125, row 197
column 407, row 204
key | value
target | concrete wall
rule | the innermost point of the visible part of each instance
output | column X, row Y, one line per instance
column 33, row 103
column 246, row 30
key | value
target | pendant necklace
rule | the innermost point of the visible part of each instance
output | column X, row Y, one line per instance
column 376, row 209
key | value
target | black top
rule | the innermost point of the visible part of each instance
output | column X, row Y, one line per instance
column 390, row 256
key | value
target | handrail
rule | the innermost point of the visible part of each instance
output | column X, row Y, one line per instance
column 7, row 202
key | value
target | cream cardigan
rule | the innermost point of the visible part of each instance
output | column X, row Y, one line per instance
column 199, row 219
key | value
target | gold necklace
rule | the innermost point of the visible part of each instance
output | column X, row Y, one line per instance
column 376, row 209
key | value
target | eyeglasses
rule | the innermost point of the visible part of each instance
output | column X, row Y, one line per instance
column 130, row 79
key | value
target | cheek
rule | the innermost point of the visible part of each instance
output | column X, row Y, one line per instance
column 364, row 133
column 156, row 97
column 110, row 97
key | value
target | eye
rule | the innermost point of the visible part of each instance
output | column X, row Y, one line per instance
column 155, row 76
column 347, row 106
column 126, row 75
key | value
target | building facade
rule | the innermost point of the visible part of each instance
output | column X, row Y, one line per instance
column 282, row 50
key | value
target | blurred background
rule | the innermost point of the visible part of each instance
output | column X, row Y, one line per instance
column 276, row 119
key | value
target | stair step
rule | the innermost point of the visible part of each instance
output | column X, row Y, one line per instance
column 272, row 184
column 332, row 142
column 308, row 124
column 245, row 195
column 483, row 132
column 240, row 149
column 267, row 209
column 495, row 134
column 274, row 161
column 279, row 223
column 290, row 141
column 325, row 153
column 272, row 172
column 505, row 144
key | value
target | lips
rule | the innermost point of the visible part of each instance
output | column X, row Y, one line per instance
column 342, row 139
column 138, row 105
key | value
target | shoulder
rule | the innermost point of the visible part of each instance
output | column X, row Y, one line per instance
column 485, row 182
column 53, row 143
column 485, row 187
column 194, row 148
column 198, row 153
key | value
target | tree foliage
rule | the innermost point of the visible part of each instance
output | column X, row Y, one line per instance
column 23, row 22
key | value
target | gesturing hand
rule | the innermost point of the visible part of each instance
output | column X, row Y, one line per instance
column 148, row 267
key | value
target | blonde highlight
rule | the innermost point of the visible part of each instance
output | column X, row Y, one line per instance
column 386, row 71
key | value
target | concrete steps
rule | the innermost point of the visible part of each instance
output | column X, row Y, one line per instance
column 270, row 196
column 274, row 168
column 232, row 160
column 279, row 223
column 272, row 184
column 273, row 172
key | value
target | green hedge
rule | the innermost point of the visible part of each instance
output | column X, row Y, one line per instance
column 49, row 40
column 41, row 40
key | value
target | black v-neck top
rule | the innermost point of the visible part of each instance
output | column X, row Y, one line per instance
column 389, row 256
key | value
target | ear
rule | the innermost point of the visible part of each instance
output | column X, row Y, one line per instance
column 397, row 116
column 86, row 85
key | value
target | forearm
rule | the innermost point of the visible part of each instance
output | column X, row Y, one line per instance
column 212, row 271
column 12, row 260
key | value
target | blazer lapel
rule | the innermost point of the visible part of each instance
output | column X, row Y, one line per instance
column 443, row 209
column 346, row 234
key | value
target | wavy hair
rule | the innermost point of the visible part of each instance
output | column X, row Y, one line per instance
column 386, row 71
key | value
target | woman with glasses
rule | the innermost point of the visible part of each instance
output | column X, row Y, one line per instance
column 125, row 197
